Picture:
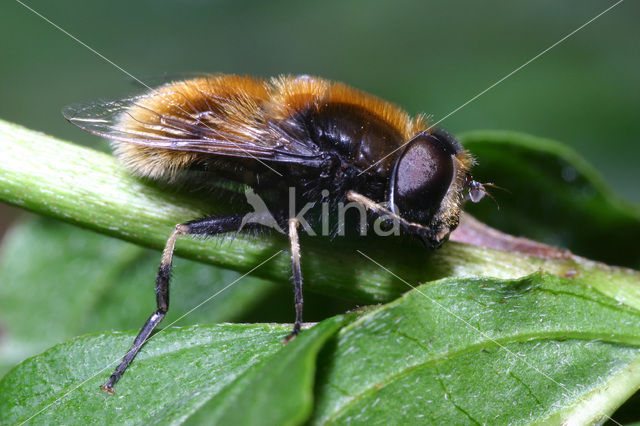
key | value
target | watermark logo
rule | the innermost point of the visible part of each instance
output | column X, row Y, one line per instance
column 260, row 213
column 331, row 221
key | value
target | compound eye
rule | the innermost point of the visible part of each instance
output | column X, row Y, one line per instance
column 421, row 177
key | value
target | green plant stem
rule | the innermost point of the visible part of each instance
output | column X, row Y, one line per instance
column 90, row 189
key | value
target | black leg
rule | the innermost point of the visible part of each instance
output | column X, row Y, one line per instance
column 297, row 276
column 206, row 227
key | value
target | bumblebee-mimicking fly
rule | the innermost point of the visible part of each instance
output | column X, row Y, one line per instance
column 324, row 139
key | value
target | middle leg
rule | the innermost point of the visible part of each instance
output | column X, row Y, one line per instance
column 296, row 276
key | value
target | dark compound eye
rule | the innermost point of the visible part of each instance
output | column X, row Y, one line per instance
column 421, row 177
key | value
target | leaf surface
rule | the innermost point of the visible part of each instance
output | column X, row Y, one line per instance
column 239, row 372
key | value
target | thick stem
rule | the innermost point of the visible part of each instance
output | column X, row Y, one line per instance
column 90, row 189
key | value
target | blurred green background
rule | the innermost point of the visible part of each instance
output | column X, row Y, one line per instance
column 427, row 56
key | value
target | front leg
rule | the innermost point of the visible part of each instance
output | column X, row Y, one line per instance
column 424, row 233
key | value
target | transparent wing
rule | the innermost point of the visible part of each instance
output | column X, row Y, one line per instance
column 171, row 120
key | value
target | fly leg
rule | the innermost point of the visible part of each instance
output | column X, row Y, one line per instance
column 296, row 277
column 427, row 234
column 205, row 227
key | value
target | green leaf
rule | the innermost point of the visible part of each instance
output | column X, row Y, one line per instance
column 240, row 372
column 455, row 351
column 80, row 282
column 541, row 348
column 279, row 392
column 554, row 197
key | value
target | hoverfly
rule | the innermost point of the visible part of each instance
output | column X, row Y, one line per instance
column 323, row 138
